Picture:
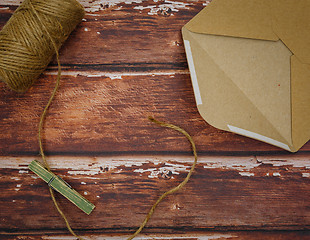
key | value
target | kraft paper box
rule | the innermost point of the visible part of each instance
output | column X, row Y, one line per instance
column 249, row 62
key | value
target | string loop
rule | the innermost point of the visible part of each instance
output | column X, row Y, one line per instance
column 178, row 187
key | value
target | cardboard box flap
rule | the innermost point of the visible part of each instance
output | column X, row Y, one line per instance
column 291, row 23
column 238, row 18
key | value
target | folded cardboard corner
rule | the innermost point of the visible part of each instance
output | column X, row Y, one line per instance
column 249, row 62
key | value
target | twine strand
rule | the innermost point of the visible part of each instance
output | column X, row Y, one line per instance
column 43, row 116
column 178, row 187
column 29, row 40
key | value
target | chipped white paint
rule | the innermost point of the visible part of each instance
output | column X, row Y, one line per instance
column 306, row 175
column 119, row 8
column 17, row 188
column 207, row 2
column 83, row 183
column 298, row 161
column 162, row 165
column 89, row 5
column 165, row 171
column 236, row 163
column 98, row 33
column 83, row 172
column 85, row 193
column 113, row 76
column 167, row 7
column 97, row 5
column 92, row 14
column 192, row 236
column 23, row 171
column 156, row 7
column 86, row 29
column 15, row 178
column 92, row 6
column 246, row 174
column 276, row 174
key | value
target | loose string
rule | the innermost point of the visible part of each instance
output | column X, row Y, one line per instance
column 163, row 124
column 178, row 187
column 43, row 116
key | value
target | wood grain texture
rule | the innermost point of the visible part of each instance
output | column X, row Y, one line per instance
column 126, row 61
column 141, row 70
column 225, row 193
column 255, row 235
column 102, row 115
column 124, row 37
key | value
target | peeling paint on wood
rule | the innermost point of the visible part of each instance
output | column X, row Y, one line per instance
column 100, row 141
column 116, row 75
column 166, row 8
column 155, row 7
column 307, row 175
column 248, row 166
column 99, row 5
column 258, row 235
column 143, row 39
column 225, row 192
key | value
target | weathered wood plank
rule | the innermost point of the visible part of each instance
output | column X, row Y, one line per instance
column 127, row 36
column 104, row 114
column 257, row 235
column 136, row 68
column 225, row 193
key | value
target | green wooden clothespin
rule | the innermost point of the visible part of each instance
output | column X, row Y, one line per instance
column 59, row 185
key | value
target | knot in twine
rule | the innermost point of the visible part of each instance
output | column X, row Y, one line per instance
column 32, row 36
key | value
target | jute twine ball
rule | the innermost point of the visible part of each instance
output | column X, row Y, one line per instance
column 28, row 40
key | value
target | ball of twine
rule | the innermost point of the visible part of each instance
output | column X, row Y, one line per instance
column 28, row 40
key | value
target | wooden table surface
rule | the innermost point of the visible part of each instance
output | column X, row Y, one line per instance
column 124, row 62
